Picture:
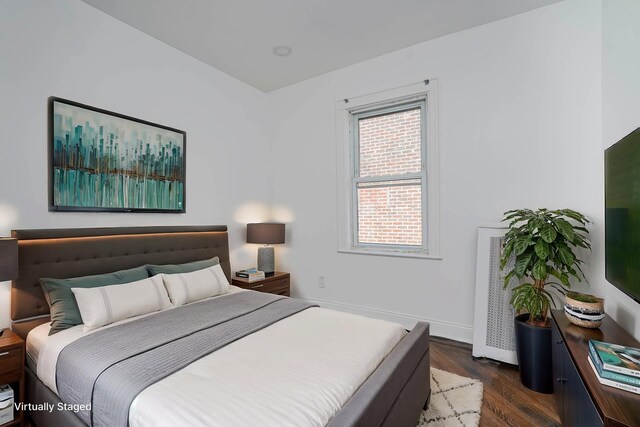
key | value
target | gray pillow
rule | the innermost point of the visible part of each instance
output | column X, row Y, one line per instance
column 182, row 268
column 62, row 303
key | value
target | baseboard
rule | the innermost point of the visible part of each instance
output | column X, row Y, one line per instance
column 451, row 330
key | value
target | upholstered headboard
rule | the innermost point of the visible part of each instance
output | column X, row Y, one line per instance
column 63, row 253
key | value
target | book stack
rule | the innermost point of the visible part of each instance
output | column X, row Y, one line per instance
column 615, row 365
column 251, row 274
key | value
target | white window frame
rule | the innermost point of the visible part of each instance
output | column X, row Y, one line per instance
column 348, row 111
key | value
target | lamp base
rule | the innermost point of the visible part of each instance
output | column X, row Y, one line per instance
column 266, row 260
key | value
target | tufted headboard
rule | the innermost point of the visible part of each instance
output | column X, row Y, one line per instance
column 63, row 253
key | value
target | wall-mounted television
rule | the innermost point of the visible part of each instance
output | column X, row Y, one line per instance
column 622, row 214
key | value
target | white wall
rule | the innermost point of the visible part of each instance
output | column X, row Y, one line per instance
column 519, row 126
column 69, row 49
column 620, row 115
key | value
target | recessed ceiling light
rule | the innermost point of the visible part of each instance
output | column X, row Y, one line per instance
column 282, row 50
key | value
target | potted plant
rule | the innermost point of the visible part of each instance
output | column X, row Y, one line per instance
column 542, row 243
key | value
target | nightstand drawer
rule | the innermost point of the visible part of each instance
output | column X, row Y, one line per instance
column 279, row 283
column 11, row 361
column 264, row 286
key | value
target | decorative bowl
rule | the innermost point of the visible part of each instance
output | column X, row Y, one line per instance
column 584, row 320
column 584, row 310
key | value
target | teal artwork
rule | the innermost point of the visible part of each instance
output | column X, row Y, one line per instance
column 104, row 161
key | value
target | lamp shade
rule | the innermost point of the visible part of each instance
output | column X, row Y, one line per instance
column 268, row 233
column 8, row 259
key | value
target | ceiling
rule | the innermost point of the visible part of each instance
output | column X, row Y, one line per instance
column 238, row 36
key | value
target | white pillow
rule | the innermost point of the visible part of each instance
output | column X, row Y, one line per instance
column 184, row 288
column 107, row 304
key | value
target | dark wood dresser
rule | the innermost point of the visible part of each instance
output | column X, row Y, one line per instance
column 581, row 399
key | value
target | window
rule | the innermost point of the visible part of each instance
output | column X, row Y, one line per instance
column 388, row 186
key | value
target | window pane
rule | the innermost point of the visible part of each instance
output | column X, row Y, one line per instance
column 390, row 212
column 390, row 144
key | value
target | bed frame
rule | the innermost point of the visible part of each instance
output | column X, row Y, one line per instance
column 392, row 396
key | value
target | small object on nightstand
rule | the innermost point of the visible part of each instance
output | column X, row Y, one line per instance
column 279, row 283
column 252, row 274
column 6, row 404
column 12, row 355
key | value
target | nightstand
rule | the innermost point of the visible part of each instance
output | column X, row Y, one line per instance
column 12, row 355
column 278, row 284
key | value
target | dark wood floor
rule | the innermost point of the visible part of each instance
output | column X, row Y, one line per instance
column 506, row 401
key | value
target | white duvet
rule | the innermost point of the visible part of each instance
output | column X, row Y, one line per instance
column 297, row 372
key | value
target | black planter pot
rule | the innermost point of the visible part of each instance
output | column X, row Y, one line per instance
column 533, row 346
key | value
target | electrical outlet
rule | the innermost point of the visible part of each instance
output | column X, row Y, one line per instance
column 321, row 281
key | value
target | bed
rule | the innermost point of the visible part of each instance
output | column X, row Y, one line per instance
column 307, row 368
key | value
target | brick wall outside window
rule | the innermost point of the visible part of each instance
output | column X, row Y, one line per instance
column 390, row 144
column 389, row 213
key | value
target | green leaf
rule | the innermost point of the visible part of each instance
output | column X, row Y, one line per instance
column 508, row 278
column 521, row 295
column 548, row 233
column 542, row 249
column 506, row 254
column 578, row 262
column 558, row 288
column 520, row 245
column 522, row 263
column 580, row 240
column 565, row 228
column 585, row 245
column 510, row 215
column 573, row 215
column 539, row 270
column 564, row 278
column 549, row 298
column 534, row 300
column 566, row 255
column 534, row 224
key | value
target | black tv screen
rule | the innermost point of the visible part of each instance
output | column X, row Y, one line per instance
column 622, row 214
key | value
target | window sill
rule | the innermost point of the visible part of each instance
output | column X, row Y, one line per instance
column 398, row 254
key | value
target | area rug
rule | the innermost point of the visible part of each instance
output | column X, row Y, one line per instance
column 455, row 401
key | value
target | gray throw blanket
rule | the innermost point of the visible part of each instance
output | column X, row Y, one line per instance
column 109, row 368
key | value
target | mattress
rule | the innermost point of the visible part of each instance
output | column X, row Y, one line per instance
column 297, row 372
column 35, row 341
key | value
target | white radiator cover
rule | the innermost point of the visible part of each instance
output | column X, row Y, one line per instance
column 493, row 327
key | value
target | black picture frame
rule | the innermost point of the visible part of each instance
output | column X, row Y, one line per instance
column 54, row 169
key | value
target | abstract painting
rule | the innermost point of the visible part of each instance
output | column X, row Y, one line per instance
column 105, row 161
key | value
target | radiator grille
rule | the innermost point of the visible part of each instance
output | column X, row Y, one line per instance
column 500, row 314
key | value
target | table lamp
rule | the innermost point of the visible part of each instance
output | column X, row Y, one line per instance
column 8, row 260
column 267, row 233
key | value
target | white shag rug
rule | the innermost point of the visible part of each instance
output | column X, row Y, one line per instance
column 455, row 401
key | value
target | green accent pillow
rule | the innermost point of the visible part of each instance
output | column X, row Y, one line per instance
column 182, row 268
column 62, row 303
